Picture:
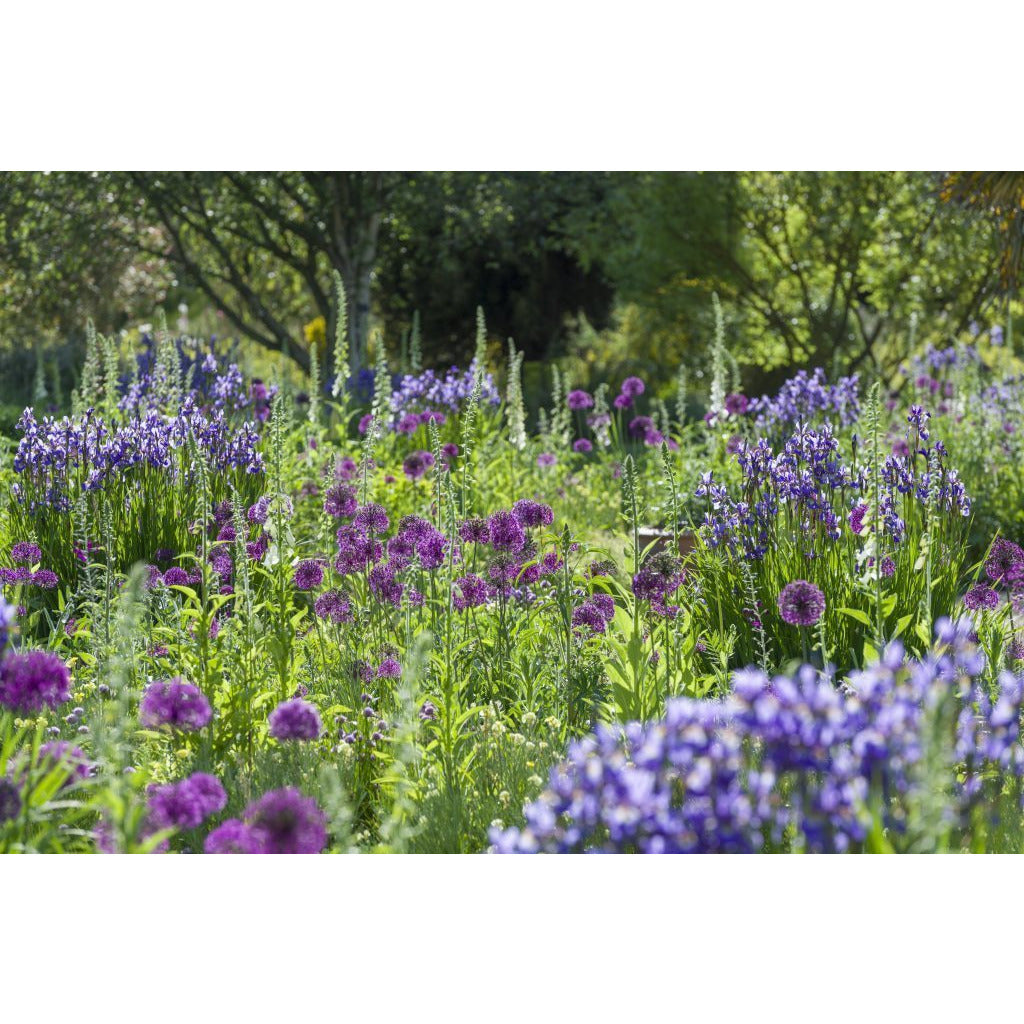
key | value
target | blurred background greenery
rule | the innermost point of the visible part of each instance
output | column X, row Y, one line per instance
column 606, row 273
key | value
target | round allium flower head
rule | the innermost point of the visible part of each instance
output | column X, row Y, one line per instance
column 372, row 519
column 428, row 712
column 980, row 596
column 416, row 464
column 309, row 574
column 475, row 531
column 632, row 387
column 533, row 513
column 258, row 512
column 295, row 720
column 389, row 668
column 801, row 603
column 888, row 566
column 736, row 405
column 622, row 402
column 506, row 531
column 582, row 446
column 176, row 577
column 450, row 450
column 856, row 518
column 10, row 800
column 174, row 703
column 546, row 459
column 579, row 400
column 207, row 789
column 26, row 553
column 285, row 821
column 47, row 578
column 333, row 607
column 32, row 680
column 340, row 501
column 233, row 836
column 1005, row 562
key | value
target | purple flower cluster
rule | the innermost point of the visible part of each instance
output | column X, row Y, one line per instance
column 801, row 603
column 806, row 397
column 58, row 459
column 281, row 821
column 595, row 613
column 174, row 703
column 32, row 680
column 806, row 487
column 295, row 720
column 417, row 395
column 784, row 756
column 185, row 804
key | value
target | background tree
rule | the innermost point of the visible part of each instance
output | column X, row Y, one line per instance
column 821, row 268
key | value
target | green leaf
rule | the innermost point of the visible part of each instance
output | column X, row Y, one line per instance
column 856, row 613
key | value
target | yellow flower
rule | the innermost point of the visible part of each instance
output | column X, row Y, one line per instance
column 316, row 332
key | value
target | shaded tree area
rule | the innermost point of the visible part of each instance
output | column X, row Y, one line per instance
column 845, row 270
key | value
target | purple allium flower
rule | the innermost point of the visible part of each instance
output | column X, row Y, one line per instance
column 32, row 680
column 506, row 531
column 736, row 405
column 532, row 513
column 26, row 553
column 163, row 554
column 856, row 518
column 473, row 592
column 1005, row 562
column 389, row 668
column 345, row 469
column 640, row 425
column 333, row 607
column 72, row 758
column 295, row 720
column 622, row 402
column 372, row 519
column 233, row 836
column 171, row 807
column 579, row 400
column 409, row 423
column 888, row 566
column 475, row 531
column 590, row 615
column 416, row 464
column 10, row 800
column 309, row 574
column 185, row 804
column 582, row 446
column 901, row 449
column 801, row 603
column 546, row 459
column 980, row 596
column 176, row 577
column 364, row 423
column 450, row 450
column 47, row 578
column 285, row 821
column 428, row 712
column 207, row 789
column 174, row 703
column 632, row 387
column 259, row 511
